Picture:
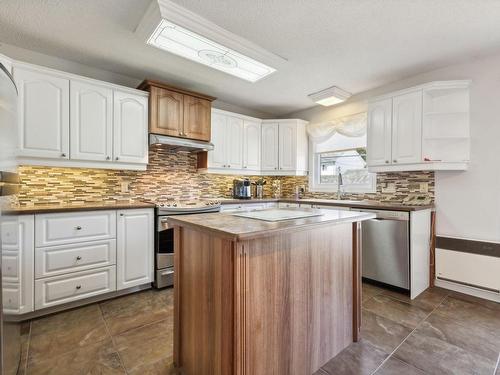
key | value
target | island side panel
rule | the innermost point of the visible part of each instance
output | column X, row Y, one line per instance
column 356, row 281
column 203, row 302
column 297, row 291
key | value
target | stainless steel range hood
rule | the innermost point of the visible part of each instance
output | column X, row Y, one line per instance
column 180, row 144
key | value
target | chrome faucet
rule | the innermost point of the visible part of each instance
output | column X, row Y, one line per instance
column 340, row 183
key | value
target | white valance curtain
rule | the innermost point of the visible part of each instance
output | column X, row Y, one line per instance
column 349, row 126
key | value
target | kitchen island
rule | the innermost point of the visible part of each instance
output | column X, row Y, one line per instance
column 265, row 297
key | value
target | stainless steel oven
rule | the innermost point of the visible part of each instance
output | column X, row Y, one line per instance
column 164, row 236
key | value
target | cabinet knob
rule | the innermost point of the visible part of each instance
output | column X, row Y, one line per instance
column 229, row 166
column 121, row 214
column 63, row 155
column 244, row 166
column 78, row 227
column 387, row 162
column 117, row 158
column 78, row 287
column 108, row 158
column 78, row 257
column 395, row 161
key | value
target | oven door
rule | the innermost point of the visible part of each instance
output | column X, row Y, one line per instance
column 164, row 244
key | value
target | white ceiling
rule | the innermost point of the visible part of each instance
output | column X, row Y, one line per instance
column 354, row 44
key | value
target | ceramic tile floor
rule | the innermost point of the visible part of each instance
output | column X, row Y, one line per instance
column 440, row 332
column 127, row 335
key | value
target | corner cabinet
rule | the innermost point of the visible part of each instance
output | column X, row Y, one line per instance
column 421, row 128
column 72, row 121
column 250, row 146
column 134, row 257
column 178, row 113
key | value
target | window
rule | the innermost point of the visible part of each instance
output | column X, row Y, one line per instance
column 340, row 153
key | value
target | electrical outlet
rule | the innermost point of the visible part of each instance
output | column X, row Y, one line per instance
column 424, row 187
column 125, row 187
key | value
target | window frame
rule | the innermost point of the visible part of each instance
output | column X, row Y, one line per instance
column 316, row 186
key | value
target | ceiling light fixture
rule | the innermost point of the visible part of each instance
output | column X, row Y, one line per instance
column 177, row 30
column 330, row 96
column 180, row 41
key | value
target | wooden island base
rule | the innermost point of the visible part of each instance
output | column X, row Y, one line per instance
column 283, row 303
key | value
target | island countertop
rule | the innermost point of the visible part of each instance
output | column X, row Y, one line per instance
column 242, row 228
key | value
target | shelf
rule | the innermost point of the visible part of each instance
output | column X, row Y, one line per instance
column 446, row 113
column 446, row 138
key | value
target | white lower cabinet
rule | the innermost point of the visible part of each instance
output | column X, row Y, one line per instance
column 56, row 290
column 54, row 259
column 17, row 263
column 134, row 247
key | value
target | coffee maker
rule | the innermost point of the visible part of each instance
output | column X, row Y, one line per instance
column 242, row 189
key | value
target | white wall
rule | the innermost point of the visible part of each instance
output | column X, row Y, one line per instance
column 468, row 203
column 53, row 62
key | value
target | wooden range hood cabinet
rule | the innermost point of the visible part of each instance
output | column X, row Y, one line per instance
column 177, row 112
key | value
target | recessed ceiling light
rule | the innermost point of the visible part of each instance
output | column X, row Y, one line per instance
column 178, row 30
column 330, row 96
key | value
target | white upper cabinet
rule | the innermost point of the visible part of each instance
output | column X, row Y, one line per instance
column 217, row 157
column 270, row 146
column 107, row 124
column 287, row 146
column 91, row 108
column 284, row 147
column 130, row 128
column 251, row 145
column 6, row 62
column 234, row 143
column 43, row 114
column 407, row 128
column 379, row 132
column 228, row 140
column 420, row 128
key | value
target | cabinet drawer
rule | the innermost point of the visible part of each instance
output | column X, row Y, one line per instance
column 10, row 297
column 57, row 260
column 64, row 228
column 10, row 234
column 79, row 285
column 10, row 266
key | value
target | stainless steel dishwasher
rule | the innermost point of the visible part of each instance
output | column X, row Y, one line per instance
column 386, row 248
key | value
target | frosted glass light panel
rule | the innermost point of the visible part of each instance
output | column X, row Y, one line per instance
column 180, row 41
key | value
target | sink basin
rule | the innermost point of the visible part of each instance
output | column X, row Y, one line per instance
column 277, row 214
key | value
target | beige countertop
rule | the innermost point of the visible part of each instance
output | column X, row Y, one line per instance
column 367, row 204
column 52, row 208
column 242, row 228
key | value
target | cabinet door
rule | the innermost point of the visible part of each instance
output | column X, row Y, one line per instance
column 287, row 146
column 18, row 245
column 217, row 157
column 379, row 132
column 130, row 128
column 234, row 142
column 251, row 145
column 166, row 112
column 134, row 257
column 91, row 121
column 407, row 128
column 43, row 114
column 196, row 118
column 270, row 146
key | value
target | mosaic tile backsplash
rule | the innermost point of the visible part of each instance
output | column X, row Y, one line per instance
column 174, row 175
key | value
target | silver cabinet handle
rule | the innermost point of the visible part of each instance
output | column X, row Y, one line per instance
column 108, row 158
column 78, row 287
column 63, row 155
column 78, row 257
column 117, row 158
column 166, row 273
column 387, row 162
column 229, row 166
column 395, row 161
column 78, row 227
